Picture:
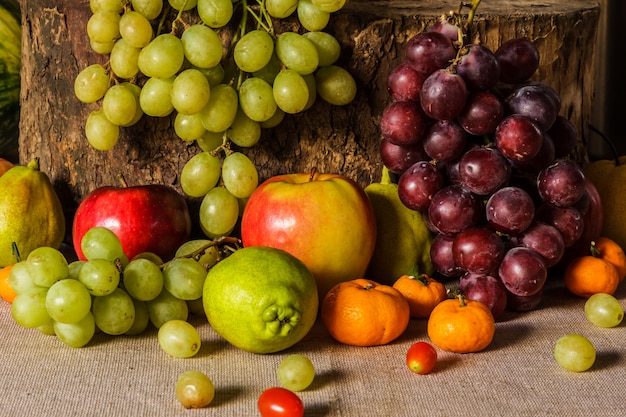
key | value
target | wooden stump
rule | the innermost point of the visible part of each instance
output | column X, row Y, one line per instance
column 334, row 139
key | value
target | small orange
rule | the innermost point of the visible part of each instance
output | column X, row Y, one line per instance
column 587, row 275
column 422, row 292
column 6, row 291
column 362, row 312
column 460, row 325
column 611, row 251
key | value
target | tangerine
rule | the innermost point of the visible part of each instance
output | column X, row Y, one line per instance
column 6, row 290
column 422, row 292
column 362, row 312
column 587, row 275
column 611, row 251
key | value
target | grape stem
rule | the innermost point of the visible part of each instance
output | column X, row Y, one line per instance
column 227, row 241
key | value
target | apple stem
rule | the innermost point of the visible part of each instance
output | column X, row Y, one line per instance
column 122, row 180
column 312, row 174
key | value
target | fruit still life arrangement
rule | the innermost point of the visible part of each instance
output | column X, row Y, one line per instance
column 481, row 203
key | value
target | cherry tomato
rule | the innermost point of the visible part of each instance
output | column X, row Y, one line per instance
column 280, row 402
column 421, row 357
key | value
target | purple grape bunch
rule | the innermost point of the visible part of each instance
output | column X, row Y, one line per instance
column 480, row 149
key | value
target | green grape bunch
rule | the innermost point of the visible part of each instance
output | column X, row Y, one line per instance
column 221, row 71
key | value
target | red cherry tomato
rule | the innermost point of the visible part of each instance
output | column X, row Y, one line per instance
column 280, row 402
column 421, row 357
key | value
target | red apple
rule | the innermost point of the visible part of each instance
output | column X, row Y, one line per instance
column 146, row 218
column 325, row 220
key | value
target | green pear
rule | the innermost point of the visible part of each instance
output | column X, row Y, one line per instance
column 403, row 241
column 31, row 214
column 260, row 299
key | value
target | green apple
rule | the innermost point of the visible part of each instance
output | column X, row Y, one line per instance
column 260, row 299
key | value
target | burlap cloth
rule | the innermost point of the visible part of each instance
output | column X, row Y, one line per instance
column 132, row 376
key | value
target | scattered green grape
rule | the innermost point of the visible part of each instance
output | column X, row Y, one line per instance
column 200, row 174
column 574, row 352
column 296, row 372
column 194, row 389
column 239, row 175
column 179, row 338
column 91, row 83
column 68, row 301
column 604, row 310
column 335, row 85
column 219, row 212
column 100, row 132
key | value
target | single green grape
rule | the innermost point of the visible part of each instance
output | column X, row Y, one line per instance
column 254, row 50
column 99, row 276
column 221, row 110
column 256, row 99
column 136, row 29
column 151, row 9
column 29, row 308
column 297, row 52
column 101, row 243
column 91, row 83
column 291, row 91
column 190, row 91
column 163, row 57
column 136, row 90
column 114, row 313
column 68, row 301
column 269, row 72
column 183, row 5
column 102, row 48
column 150, row 256
column 296, row 372
column 188, row 127
column 574, row 352
column 309, row 79
column 194, row 389
column 207, row 258
column 184, row 278
column 20, row 279
column 311, row 17
column 329, row 6
column 77, row 334
column 604, row 310
column 124, row 59
column 104, row 26
column 215, row 13
column 119, row 104
column 143, row 279
column 110, row 5
column 200, row 174
column 219, row 212
column 47, row 265
column 244, row 131
column 179, row 339
column 166, row 307
column 275, row 120
column 142, row 318
column 74, row 268
column 280, row 9
column 210, row 141
column 100, row 132
column 202, row 46
column 328, row 48
column 335, row 85
column 239, row 175
column 154, row 99
column 214, row 74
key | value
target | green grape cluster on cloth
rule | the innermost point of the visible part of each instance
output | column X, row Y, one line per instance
column 219, row 68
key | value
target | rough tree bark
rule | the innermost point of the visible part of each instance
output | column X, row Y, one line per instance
column 334, row 139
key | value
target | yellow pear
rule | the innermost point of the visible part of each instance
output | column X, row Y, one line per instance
column 403, row 240
column 30, row 212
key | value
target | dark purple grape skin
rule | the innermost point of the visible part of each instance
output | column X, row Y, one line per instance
column 510, row 210
column 562, row 183
column 518, row 59
column 442, row 258
column 484, row 170
column 567, row 220
column 544, row 239
column 478, row 249
column 403, row 123
column 397, row 158
column 533, row 102
column 544, row 157
column 427, row 52
column 444, row 26
column 565, row 137
column 520, row 303
column 479, row 67
column 404, row 83
column 418, row 184
column 482, row 113
column 518, row 138
column 522, row 271
column 445, row 140
column 443, row 95
column 455, row 208
column 486, row 289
